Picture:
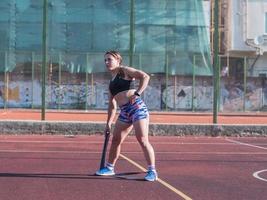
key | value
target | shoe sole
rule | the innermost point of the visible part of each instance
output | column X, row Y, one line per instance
column 152, row 180
column 98, row 174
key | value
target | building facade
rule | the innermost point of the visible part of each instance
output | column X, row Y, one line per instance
column 243, row 47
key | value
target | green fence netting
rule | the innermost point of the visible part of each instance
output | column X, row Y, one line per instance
column 168, row 36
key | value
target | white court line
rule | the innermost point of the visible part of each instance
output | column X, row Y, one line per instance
column 246, row 144
column 53, row 142
column 43, row 151
column 164, row 183
column 256, row 175
column 130, row 152
column 101, row 142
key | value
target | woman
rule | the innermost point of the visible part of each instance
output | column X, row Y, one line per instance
column 134, row 113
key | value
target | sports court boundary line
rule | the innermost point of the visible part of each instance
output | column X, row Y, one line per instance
column 246, row 144
column 67, row 139
column 101, row 142
column 49, row 152
column 256, row 175
column 181, row 194
column 129, row 152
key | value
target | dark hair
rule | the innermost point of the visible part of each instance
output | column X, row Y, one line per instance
column 115, row 54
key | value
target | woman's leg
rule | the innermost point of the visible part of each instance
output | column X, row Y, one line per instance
column 121, row 130
column 141, row 132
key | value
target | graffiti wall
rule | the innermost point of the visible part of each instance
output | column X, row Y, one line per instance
column 78, row 96
column 20, row 94
column 158, row 96
column 234, row 97
column 181, row 97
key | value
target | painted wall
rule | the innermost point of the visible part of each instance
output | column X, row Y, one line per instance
column 157, row 96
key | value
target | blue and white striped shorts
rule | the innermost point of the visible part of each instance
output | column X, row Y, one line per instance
column 133, row 111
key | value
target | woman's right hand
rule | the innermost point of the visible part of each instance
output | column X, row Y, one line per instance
column 107, row 129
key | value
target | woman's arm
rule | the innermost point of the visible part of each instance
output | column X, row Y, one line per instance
column 140, row 75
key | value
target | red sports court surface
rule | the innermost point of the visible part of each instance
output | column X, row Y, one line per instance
column 155, row 117
column 203, row 168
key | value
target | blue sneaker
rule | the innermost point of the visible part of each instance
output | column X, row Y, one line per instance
column 151, row 175
column 105, row 172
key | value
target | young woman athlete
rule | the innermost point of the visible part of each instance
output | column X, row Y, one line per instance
column 133, row 113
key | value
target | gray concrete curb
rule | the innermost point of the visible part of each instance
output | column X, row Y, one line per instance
column 91, row 128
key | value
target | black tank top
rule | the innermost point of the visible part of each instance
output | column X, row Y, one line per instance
column 118, row 84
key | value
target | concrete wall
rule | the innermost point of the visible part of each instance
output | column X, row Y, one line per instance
column 236, row 26
column 256, row 10
column 246, row 22
column 89, row 128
